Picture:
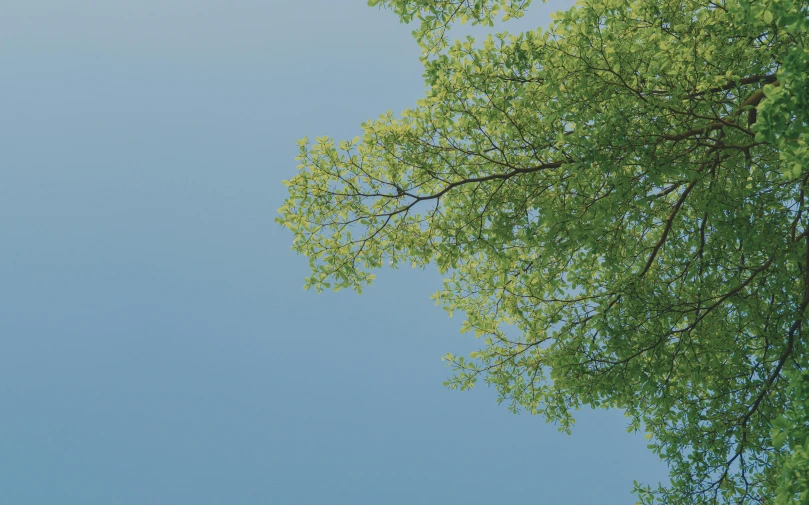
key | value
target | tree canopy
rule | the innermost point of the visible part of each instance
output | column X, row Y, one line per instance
column 617, row 203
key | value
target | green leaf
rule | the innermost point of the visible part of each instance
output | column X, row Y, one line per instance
column 778, row 439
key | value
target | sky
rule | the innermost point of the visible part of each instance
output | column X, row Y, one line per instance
column 156, row 344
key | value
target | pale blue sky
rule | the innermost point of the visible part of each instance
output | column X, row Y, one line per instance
column 156, row 345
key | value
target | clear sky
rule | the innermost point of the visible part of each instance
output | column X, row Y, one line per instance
column 156, row 345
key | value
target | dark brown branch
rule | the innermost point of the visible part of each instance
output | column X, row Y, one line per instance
column 796, row 326
column 752, row 100
column 767, row 79
column 694, row 131
column 492, row 177
column 756, row 97
column 667, row 228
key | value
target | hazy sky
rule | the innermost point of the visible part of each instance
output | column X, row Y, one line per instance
column 156, row 345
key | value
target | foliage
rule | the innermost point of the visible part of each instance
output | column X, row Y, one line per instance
column 792, row 430
column 627, row 190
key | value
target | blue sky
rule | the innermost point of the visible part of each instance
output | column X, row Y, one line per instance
column 156, row 345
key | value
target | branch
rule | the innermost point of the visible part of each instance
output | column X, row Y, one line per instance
column 756, row 97
column 694, row 131
column 796, row 326
column 492, row 177
column 752, row 100
column 667, row 229
column 767, row 79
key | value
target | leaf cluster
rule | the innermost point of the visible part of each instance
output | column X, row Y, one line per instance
column 627, row 190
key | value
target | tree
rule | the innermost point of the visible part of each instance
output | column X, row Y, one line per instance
column 626, row 189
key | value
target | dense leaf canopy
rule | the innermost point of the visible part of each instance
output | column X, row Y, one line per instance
column 617, row 202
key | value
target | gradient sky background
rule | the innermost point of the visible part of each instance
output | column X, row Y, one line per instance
column 156, row 345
